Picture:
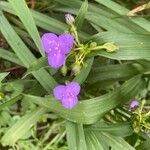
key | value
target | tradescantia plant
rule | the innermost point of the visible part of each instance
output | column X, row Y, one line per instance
column 84, row 81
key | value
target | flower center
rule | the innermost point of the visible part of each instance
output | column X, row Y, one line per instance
column 68, row 95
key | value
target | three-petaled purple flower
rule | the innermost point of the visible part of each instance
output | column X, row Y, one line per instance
column 133, row 105
column 67, row 94
column 57, row 47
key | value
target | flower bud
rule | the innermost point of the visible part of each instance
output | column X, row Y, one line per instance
column 110, row 47
column 64, row 70
column 76, row 69
column 133, row 105
column 69, row 19
column 93, row 44
column 1, row 95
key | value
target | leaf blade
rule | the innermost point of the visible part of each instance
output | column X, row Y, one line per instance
column 19, row 129
column 25, row 16
column 81, row 14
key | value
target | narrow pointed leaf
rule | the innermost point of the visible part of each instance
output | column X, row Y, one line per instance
column 26, row 17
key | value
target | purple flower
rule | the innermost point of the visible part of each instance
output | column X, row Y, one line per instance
column 133, row 104
column 56, row 47
column 67, row 94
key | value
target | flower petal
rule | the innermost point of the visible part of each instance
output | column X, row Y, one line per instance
column 73, row 88
column 59, row 91
column 69, row 102
column 49, row 42
column 66, row 42
column 56, row 60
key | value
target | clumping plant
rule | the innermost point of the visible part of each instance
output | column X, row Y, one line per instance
column 74, row 75
column 57, row 47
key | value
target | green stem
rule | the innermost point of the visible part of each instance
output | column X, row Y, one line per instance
column 147, row 127
column 82, row 58
column 77, row 48
column 97, row 48
column 76, row 35
column 147, row 114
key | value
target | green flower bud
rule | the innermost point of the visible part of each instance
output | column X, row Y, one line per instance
column 1, row 95
column 76, row 69
column 110, row 47
column 64, row 70
column 93, row 44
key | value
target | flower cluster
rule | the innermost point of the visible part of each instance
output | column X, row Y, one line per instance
column 57, row 47
column 140, row 116
column 67, row 94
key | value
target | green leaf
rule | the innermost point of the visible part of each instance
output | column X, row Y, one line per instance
column 143, row 23
column 5, row 54
column 46, row 22
column 93, row 142
column 38, row 64
column 51, row 24
column 75, row 136
column 91, row 110
column 81, row 77
column 100, row 16
column 25, row 16
column 71, row 130
column 22, row 126
column 3, row 75
column 118, row 129
column 119, row 72
column 116, row 142
column 81, row 14
column 131, row 46
column 81, row 138
column 144, row 145
column 101, row 21
column 24, row 53
column 41, row 20
column 10, row 101
column 15, row 42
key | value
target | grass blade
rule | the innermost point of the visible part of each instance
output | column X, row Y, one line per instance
column 24, row 53
column 11, row 101
column 5, row 54
column 93, row 142
column 81, row 77
column 81, row 138
column 116, row 142
column 75, row 136
column 25, row 16
column 81, row 14
column 21, row 127
column 3, row 75
column 116, row 73
column 71, row 130
column 145, row 24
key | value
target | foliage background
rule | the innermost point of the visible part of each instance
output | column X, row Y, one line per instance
column 30, row 117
